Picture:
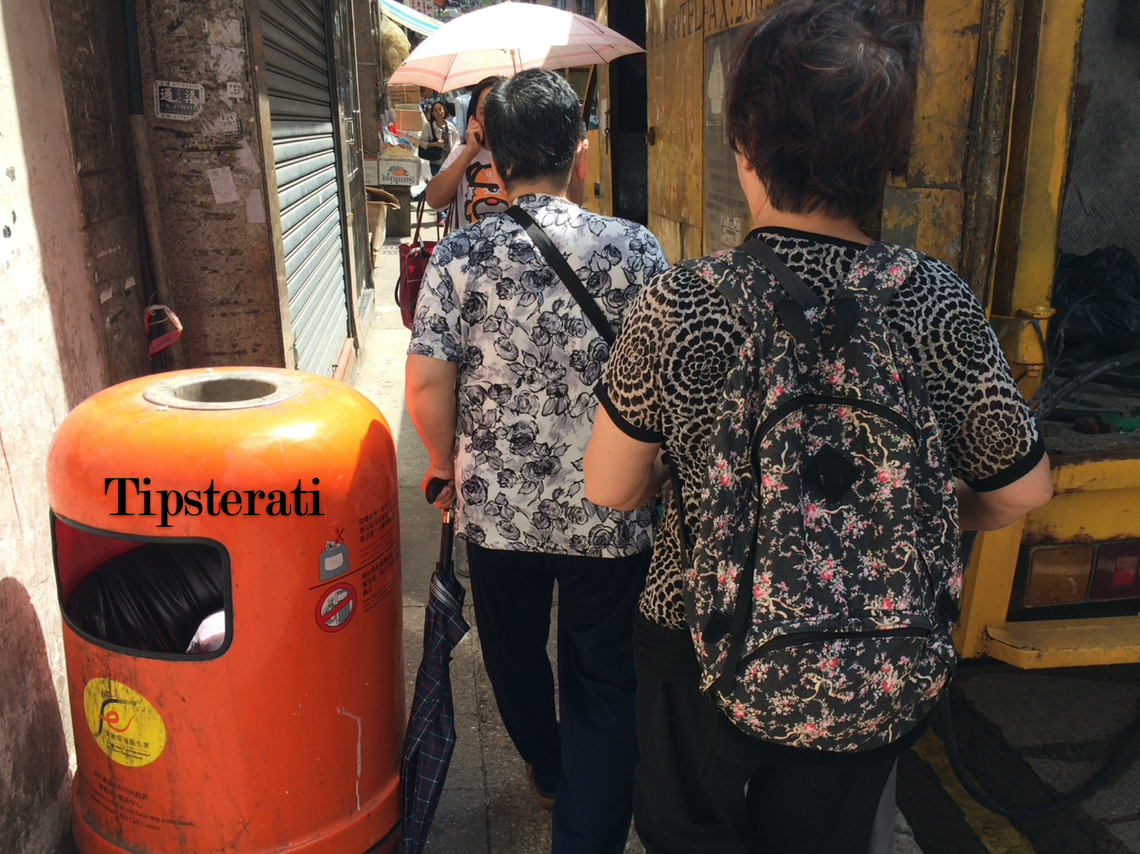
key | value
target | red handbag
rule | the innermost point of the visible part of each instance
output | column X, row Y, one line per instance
column 414, row 259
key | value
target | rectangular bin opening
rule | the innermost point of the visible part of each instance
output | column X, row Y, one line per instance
column 162, row 598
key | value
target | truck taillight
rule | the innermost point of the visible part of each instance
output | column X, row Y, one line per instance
column 1059, row 575
column 1117, row 571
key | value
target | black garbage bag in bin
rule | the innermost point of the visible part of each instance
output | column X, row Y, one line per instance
column 152, row 598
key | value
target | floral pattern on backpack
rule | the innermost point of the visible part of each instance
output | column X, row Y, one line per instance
column 825, row 573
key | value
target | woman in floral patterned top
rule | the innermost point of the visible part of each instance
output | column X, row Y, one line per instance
column 500, row 377
column 819, row 99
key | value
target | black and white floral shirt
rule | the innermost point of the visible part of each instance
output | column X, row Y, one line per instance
column 528, row 360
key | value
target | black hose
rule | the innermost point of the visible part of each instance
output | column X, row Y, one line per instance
column 1116, row 766
column 1047, row 406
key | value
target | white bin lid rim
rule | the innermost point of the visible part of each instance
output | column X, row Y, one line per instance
column 222, row 391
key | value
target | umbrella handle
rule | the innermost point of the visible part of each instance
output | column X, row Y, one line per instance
column 434, row 487
column 446, row 542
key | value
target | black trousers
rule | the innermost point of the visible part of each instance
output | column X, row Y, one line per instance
column 703, row 787
column 587, row 750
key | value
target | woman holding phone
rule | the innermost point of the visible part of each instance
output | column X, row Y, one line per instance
column 468, row 174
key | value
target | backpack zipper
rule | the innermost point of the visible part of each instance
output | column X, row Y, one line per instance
column 855, row 402
column 800, row 638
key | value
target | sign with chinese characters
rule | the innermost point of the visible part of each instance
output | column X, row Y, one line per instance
column 181, row 101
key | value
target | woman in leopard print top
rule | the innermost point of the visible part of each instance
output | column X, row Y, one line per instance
column 819, row 98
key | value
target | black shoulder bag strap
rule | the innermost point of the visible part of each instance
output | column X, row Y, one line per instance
column 560, row 266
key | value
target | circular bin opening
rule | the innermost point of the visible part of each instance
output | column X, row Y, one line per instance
column 241, row 390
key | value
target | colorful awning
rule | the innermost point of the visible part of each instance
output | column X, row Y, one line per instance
column 409, row 18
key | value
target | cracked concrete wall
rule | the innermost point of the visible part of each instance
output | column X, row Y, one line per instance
column 93, row 66
column 51, row 350
column 199, row 100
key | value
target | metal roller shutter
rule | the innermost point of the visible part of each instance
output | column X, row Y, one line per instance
column 308, row 186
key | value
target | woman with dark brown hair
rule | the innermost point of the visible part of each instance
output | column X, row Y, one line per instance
column 820, row 98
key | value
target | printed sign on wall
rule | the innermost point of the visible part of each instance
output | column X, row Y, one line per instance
column 181, row 101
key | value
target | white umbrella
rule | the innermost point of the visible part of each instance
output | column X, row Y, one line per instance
column 506, row 39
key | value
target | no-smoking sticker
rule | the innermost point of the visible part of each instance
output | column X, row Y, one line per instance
column 336, row 607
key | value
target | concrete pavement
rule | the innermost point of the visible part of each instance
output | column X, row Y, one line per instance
column 487, row 804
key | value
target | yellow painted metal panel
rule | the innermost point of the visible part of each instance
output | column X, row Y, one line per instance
column 668, row 233
column 691, row 236
column 1103, row 474
column 987, row 155
column 989, row 583
column 942, row 117
column 726, row 14
column 675, row 47
column 1087, row 516
column 1047, row 152
column 1067, row 643
column 1022, row 340
column 593, row 171
column 928, row 219
column 604, row 201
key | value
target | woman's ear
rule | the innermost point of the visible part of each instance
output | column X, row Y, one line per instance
column 582, row 159
column 754, row 189
column 576, row 189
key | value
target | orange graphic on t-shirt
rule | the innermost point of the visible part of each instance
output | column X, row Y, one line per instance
column 487, row 194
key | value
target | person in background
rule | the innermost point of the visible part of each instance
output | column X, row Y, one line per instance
column 460, row 104
column 468, row 174
column 818, row 109
column 438, row 136
column 500, row 372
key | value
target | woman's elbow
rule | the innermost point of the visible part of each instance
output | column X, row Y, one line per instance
column 1001, row 508
column 606, row 491
column 436, row 199
column 611, row 497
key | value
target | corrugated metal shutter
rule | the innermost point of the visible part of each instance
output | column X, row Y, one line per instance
column 304, row 154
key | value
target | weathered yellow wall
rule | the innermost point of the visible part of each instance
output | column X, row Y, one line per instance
column 675, row 46
column 676, row 35
column 925, row 208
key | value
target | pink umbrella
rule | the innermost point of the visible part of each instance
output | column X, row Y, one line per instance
column 506, row 39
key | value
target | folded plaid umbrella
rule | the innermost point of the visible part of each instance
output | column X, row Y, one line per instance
column 430, row 736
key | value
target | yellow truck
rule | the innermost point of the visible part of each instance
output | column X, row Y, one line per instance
column 1026, row 146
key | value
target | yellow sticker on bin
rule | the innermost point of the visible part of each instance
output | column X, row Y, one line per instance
column 124, row 723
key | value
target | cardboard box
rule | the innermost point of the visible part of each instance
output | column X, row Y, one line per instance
column 409, row 118
column 404, row 93
column 395, row 171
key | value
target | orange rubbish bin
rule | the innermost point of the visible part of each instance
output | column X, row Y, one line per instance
column 276, row 493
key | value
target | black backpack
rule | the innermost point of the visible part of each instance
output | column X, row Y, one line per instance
column 825, row 573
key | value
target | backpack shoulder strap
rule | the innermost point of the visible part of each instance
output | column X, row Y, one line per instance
column 878, row 271
column 793, row 285
column 746, row 299
column 881, row 269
